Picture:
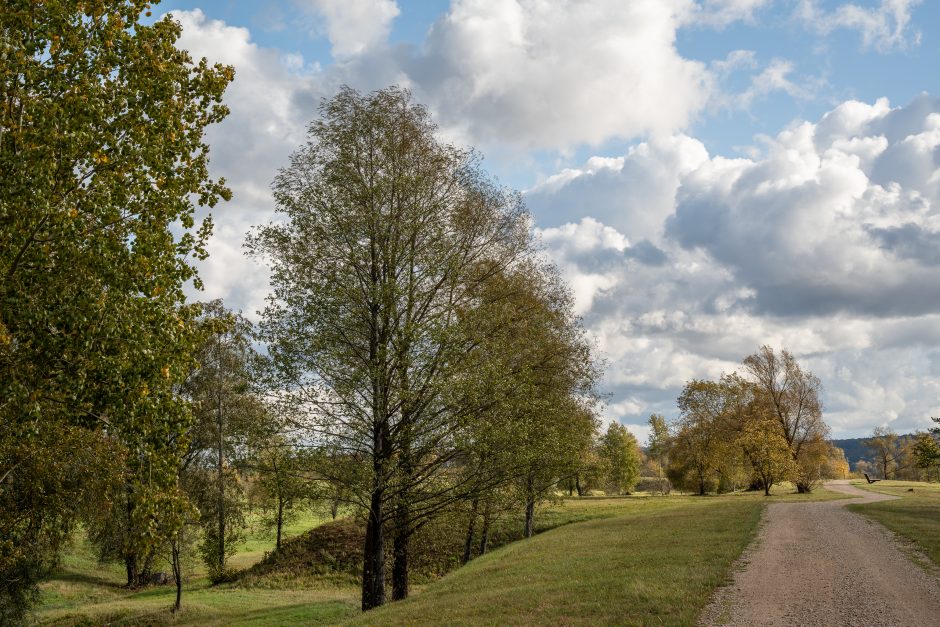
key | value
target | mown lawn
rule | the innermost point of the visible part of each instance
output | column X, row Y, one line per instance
column 638, row 559
column 656, row 563
column 915, row 516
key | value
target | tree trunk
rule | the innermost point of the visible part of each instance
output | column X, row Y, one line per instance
column 401, row 551
column 766, row 488
column 373, row 562
column 701, row 486
column 130, row 564
column 177, row 571
column 280, row 520
column 577, row 485
column 221, row 477
column 468, row 542
column 485, row 532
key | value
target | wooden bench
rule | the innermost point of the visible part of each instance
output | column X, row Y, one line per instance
column 870, row 480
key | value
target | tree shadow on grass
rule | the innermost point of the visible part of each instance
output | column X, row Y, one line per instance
column 71, row 576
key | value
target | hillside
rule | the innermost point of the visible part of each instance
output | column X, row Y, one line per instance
column 855, row 449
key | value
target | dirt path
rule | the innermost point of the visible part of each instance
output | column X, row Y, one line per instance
column 820, row 564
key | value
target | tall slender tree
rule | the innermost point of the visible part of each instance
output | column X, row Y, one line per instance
column 102, row 162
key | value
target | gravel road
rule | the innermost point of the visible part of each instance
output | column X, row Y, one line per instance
column 820, row 564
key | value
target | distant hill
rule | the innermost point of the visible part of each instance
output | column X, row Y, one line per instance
column 855, row 449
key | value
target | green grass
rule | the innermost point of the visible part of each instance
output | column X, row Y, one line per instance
column 86, row 592
column 655, row 562
column 639, row 559
column 915, row 516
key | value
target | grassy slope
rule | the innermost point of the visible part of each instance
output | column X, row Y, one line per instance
column 644, row 561
column 633, row 559
column 657, row 564
column 915, row 516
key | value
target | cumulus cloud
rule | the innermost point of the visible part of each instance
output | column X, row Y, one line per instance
column 635, row 192
column 844, row 221
column 271, row 99
column 825, row 243
column 682, row 262
column 553, row 75
column 354, row 26
column 886, row 27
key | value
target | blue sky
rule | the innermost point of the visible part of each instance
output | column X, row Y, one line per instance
column 709, row 175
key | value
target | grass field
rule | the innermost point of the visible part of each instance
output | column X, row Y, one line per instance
column 915, row 516
column 637, row 559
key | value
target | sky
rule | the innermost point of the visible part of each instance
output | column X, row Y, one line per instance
column 710, row 176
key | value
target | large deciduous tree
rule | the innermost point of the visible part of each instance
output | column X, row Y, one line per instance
column 101, row 161
column 790, row 396
column 386, row 233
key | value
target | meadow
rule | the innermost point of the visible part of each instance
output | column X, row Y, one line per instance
column 635, row 559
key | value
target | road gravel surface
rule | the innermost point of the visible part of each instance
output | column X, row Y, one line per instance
column 820, row 564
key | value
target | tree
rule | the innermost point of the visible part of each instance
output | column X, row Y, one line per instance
column 620, row 450
column 767, row 452
column 838, row 465
column 227, row 412
column 387, row 230
column 280, row 468
column 700, row 432
column 791, row 397
column 927, row 453
column 101, row 162
column 885, row 446
column 658, row 446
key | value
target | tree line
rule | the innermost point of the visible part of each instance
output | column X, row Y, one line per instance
column 911, row 457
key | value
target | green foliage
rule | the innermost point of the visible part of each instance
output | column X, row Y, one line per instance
column 101, row 157
column 927, row 452
column 228, row 415
column 282, row 483
column 391, row 247
column 619, row 449
column 767, row 452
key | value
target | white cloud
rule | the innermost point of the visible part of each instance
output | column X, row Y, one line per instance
column 721, row 13
column 354, row 26
column 635, row 192
column 558, row 74
column 827, row 243
column 887, row 27
column 271, row 100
